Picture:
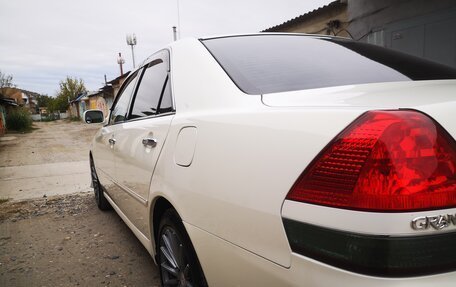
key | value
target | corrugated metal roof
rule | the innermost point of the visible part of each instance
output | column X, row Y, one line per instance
column 92, row 93
column 303, row 17
column 79, row 97
column 8, row 101
column 119, row 77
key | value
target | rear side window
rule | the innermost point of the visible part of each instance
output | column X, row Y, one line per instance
column 264, row 64
column 150, row 89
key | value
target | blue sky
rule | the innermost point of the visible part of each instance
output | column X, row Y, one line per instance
column 43, row 41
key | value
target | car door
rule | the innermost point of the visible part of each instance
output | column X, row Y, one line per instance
column 105, row 141
column 141, row 137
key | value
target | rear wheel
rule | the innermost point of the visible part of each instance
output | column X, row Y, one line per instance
column 102, row 202
column 179, row 265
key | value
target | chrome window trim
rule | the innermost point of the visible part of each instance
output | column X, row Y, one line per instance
column 150, row 117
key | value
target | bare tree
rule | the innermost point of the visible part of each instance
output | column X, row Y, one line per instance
column 6, row 81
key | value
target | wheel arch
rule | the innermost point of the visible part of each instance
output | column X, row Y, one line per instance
column 160, row 205
column 91, row 158
column 158, row 210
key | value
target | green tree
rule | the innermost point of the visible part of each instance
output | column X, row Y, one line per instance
column 52, row 105
column 43, row 101
column 60, row 103
column 70, row 88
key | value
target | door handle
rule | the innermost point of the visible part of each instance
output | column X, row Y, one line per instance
column 149, row 142
column 112, row 141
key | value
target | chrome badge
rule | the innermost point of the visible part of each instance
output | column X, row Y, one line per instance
column 437, row 222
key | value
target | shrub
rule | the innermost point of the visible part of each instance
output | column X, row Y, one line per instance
column 50, row 117
column 47, row 119
column 19, row 120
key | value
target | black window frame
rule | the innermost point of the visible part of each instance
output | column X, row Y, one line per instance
column 120, row 93
column 164, row 56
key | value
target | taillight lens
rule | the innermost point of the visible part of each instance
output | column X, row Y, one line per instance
column 386, row 161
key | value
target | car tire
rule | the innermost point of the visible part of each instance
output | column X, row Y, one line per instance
column 178, row 263
column 101, row 201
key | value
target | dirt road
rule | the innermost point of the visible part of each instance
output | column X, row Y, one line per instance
column 62, row 240
column 51, row 160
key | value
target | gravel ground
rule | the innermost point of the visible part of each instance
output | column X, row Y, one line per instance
column 67, row 241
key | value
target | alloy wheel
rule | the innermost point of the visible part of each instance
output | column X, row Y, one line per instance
column 175, row 269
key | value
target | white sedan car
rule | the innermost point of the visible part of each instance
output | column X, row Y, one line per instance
column 285, row 160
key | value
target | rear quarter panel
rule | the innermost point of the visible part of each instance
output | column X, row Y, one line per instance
column 246, row 158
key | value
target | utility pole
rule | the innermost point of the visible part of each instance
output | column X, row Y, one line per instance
column 131, row 40
column 178, row 19
column 120, row 61
column 174, row 33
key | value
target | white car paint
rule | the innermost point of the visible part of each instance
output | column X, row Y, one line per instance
column 185, row 146
column 232, row 199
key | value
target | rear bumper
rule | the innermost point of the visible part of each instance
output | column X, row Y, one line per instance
column 225, row 264
column 376, row 255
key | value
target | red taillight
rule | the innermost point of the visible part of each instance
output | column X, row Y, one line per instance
column 384, row 161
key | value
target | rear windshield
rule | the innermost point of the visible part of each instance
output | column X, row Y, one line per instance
column 265, row 64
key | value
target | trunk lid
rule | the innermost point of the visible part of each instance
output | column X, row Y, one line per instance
column 435, row 98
